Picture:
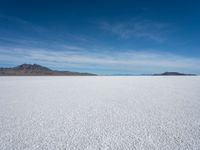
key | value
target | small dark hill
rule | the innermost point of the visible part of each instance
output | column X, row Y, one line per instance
column 173, row 74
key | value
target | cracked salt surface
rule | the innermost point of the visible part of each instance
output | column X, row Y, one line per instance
column 107, row 113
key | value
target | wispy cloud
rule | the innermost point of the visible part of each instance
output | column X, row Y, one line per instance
column 105, row 60
column 13, row 19
column 14, row 30
column 57, row 52
column 137, row 29
column 19, row 24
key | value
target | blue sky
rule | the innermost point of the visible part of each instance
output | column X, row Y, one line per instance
column 104, row 37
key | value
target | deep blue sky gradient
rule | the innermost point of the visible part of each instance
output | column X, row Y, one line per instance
column 101, row 36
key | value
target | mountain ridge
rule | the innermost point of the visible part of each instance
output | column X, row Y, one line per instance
column 38, row 70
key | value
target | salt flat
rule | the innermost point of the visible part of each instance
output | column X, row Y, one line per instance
column 107, row 113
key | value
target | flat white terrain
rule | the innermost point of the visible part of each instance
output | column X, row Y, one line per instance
column 100, row 113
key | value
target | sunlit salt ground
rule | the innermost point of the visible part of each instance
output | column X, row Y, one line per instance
column 99, row 113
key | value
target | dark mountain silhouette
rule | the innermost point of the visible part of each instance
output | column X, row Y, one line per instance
column 173, row 74
column 37, row 70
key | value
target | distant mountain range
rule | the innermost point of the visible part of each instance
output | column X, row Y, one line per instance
column 38, row 70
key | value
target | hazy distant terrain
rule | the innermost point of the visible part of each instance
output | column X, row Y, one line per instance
column 38, row 70
column 93, row 113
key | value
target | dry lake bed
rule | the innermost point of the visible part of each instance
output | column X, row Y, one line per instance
column 100, row 113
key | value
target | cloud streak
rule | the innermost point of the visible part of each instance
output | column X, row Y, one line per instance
column 137, row 29
column 118, row 61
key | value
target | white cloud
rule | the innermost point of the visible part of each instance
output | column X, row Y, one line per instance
column 115, row 60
